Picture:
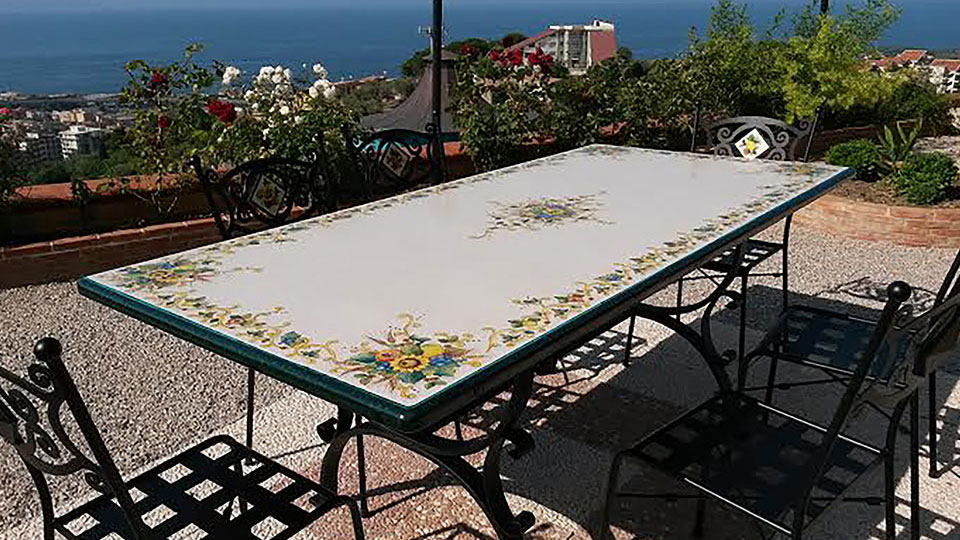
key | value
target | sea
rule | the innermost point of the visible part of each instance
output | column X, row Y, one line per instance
column 49, row 53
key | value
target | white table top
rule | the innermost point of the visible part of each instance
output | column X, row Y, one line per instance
column 406, row 297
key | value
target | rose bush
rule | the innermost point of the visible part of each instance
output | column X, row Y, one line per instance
column 185, row 109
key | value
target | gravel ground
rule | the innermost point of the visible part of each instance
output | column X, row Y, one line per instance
column 136, row 380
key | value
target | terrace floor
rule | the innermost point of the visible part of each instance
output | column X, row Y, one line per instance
column 152, row 394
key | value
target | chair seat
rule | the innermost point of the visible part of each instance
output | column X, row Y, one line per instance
column 833, row 341
column 756, row 251
column 199, row 490
column 754, row 456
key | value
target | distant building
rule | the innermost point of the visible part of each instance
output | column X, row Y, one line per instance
column 945, row 74
column 39, row 146
column 906, row 58
column 576, row 47
column 81, row 141
column 75, row 116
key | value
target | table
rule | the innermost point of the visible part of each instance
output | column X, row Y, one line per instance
column 412, row 310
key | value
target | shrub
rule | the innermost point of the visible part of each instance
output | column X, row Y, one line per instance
column 926, row 178
column 10, row 166
column 861, row 154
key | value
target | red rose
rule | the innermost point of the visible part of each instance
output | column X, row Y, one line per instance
column 223, row 110
column 515, row 57
column 163, row 121
column 468, row 50
column 495, row 55
column 158, row 78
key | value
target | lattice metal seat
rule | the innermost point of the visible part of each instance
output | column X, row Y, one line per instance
column 833, row 341
column 218, row 487
column 755, row 252
column 754, row 456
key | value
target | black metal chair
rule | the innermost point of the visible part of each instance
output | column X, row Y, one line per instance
column 394, row 160
column 262, row 194
column 783, row 470
column 783, row 142
column 828, row 340
column 218, row 487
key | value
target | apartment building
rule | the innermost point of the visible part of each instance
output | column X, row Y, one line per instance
column 81, row 141
column 41, row 145
column 576, row 47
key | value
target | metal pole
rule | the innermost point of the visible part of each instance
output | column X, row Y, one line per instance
column 437, row 36
column 437, row 42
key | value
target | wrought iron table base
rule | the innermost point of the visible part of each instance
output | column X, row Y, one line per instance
column 484, row 485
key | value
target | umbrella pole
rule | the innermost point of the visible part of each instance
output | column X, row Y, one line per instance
column 437, row 37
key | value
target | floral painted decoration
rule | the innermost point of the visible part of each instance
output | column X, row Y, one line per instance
column 540, row 213
column 752, row 145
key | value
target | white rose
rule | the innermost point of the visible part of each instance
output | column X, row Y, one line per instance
column 320, row 71
column 277, row 78
column 249, row 95
column 287, row 74
column 284, row 110
column 314, row 93
column 329, row 91
column 298, row 119
column 266, row 131
column 266, row 71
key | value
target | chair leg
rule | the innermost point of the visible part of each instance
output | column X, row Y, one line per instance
column 701, row 512
column 742, row 331
column 771, row 380
column 362, row 473
column 889, row 495
column 251, row 377
column 679, row 296
column 358, row 533
column 611, row 499
column 933, row 411
column 629, row 345
column 915, row 465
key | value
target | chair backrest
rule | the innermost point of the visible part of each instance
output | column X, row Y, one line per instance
column 396, row 159
column 32, row 421
column 759, row 137
column 264, row 193
column 897, row 293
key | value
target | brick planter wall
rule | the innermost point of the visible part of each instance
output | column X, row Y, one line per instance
column 70, row 258
column 904, row 225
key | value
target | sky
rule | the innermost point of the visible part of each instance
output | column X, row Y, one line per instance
column 10, row 6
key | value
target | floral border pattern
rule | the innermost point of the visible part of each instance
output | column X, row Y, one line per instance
column 402, row 360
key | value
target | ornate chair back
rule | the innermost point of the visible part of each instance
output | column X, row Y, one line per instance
column 395, row 159
column 264, row 193
column 759, row 137
column 31, row 420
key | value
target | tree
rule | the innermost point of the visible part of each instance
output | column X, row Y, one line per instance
column 512, row 39
column 11, row 170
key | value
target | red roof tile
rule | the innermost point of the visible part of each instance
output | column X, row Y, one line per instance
column 951, row 64
column 912, row 55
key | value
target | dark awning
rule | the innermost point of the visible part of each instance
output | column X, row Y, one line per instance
column 416, row 112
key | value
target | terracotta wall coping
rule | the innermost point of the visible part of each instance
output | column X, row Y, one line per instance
column 122, row 236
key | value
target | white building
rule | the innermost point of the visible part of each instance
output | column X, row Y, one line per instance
column 41, row 146
column 945, row 75
column 576, row 47
column 81, row 141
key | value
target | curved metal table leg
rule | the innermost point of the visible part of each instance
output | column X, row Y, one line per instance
column 485, row 485
column 702, row 340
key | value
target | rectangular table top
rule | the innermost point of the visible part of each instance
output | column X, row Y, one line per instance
column 393, row 307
